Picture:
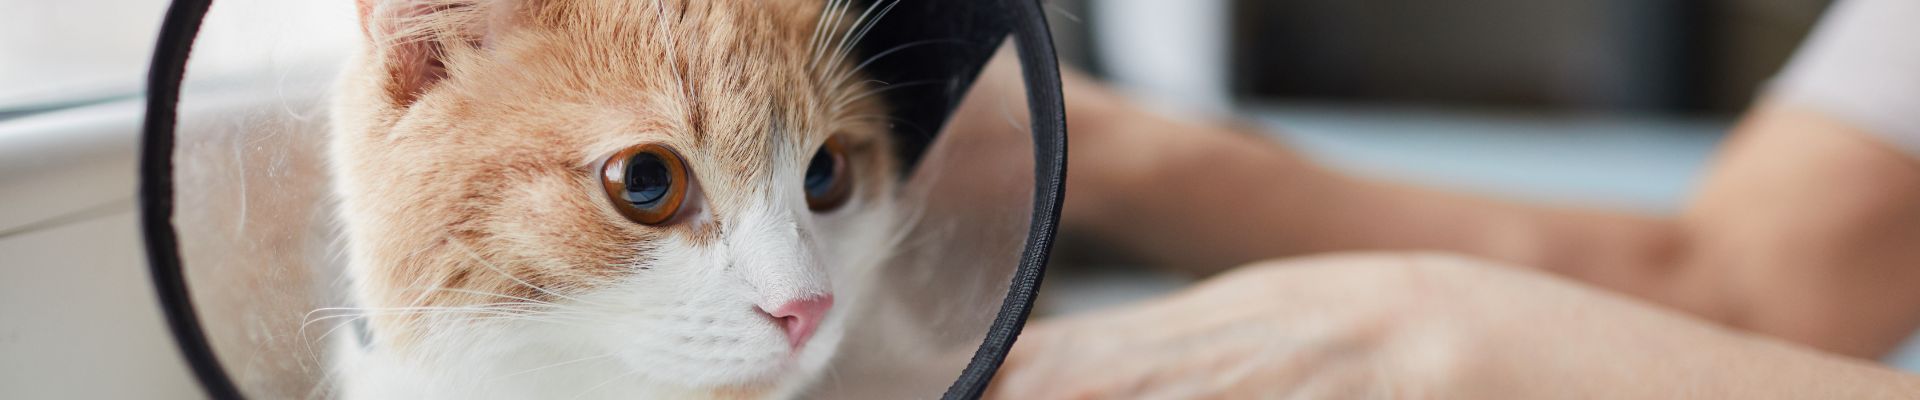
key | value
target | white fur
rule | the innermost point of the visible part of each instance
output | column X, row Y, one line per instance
column 687, row 324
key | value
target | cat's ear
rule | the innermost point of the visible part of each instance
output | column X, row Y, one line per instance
column 413, row 40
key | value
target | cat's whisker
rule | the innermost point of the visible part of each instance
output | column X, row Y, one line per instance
column 323, row 335
column 481, row 313
column 483, row 261
column 351, row 316
column 841, row 104
column 819, row 32
column 873, row 118
column 836, row 12
column 560, row 364
column 484, row 309
column 847, row 46
column 834, row 375
column 915, row 214
column 827, row 47
column 422, row 298
column 1006, row 112
column 922, row 132
column 673, row 52
column 484, row 293
column 857, row 32
column 819, row 22
column 615, row 378
column 840, row 80
column 834, row 99
column 898, row 125
column 1056, row 9
column 835, row 9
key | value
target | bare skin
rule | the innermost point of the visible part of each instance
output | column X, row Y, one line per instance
column 1805, row 228
column 1424, row 326
column 1804, row 231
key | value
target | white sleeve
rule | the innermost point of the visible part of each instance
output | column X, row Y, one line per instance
column 1862, row 65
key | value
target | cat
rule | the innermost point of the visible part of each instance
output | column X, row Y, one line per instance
column 606, row 198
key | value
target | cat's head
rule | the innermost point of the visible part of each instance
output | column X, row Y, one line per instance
column 682, row 189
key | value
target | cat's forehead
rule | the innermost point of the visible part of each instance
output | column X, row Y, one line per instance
column 712, row 69
column 735, row 85
column 751, row 48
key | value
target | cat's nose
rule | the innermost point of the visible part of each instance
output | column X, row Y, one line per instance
column 800, row 317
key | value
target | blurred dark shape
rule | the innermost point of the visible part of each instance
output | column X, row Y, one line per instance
column 1693, row 57
column 1612, row 55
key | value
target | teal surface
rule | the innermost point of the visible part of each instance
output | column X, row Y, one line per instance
column 1643, row 164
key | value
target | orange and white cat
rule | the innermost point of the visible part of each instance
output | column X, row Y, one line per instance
column 605, row 198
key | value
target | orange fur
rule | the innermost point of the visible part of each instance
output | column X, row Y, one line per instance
column 486, row 173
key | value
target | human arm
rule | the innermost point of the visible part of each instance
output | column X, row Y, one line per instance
column 1805, row 227
column 1411, row 325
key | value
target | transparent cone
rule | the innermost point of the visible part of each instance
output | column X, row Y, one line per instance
column 263, row 255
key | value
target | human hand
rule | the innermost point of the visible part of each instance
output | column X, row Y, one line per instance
column 1313, row 328
column 1412, row 326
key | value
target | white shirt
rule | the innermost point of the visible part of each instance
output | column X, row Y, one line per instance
column 1862, row 66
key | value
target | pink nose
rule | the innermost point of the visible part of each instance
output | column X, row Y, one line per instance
column 800, row 317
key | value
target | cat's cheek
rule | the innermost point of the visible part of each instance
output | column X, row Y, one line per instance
column 685, row 323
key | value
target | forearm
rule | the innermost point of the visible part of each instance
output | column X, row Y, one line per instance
column 1618, row 250
column 1521, row 335
column 1803, row 230
column 1414, row 325
column 1216, row 197
column 1807, row 229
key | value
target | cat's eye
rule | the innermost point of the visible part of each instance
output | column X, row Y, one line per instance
column 827, row 182
column 646, row 183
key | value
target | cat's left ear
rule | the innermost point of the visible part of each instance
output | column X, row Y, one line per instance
column 414, row 41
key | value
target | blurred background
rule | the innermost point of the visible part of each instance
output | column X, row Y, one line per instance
column 1598, row 103
column 1704, row 58
column 1607, row 103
